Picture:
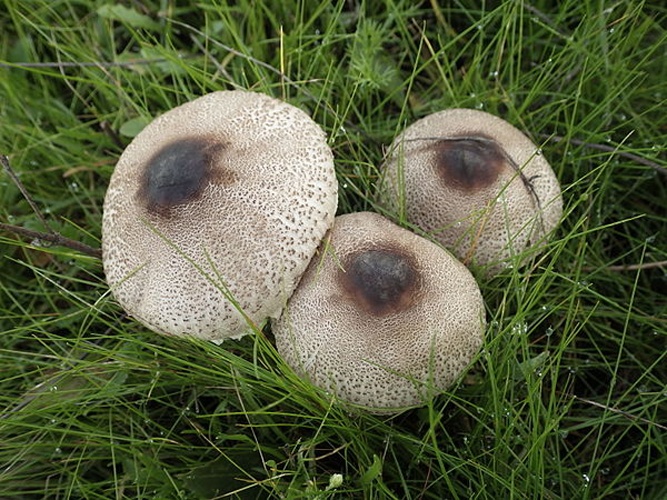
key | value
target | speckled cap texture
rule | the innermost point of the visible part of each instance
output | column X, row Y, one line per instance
column 475, row 183
column 214, row 211
column 383, row 318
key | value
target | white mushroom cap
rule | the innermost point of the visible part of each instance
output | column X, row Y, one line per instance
column 474, row 182
column 382, row 317
column 217, row 207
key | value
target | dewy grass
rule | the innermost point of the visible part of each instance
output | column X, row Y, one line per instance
column 567, row 398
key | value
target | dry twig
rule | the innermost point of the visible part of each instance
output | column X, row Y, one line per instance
column 50, row 236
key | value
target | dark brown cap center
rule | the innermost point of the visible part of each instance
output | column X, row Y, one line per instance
column 469, row 163
column 178, row 173
column 381, row 281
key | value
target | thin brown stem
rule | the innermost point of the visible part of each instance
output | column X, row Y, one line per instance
column 609, row 149
column 221, row 69
column 637, row 267
column 254, row 60
column 620, row 412
column 10, row 172
column 83, row 64
column 106, row 128
column 52, row 238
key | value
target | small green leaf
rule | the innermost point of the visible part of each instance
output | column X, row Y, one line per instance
column 531, row 366
column 373, row 471
column 127, row 16
column 133, row 126
column 230, row 475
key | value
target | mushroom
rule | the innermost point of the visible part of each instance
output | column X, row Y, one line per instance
column 214, row 211
column 476, row 184
column 382, row 317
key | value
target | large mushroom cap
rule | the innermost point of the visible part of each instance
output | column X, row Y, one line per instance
column 474, row 182
column 382, row 317
column 214, row 211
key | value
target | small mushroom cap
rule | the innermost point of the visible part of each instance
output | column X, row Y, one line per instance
column 475, row 183
column 217, row 207
column 382, row 317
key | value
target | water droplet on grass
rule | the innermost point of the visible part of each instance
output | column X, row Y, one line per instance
column 520, row 329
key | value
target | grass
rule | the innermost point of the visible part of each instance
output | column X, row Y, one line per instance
column 568, row 397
